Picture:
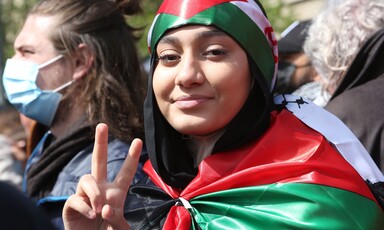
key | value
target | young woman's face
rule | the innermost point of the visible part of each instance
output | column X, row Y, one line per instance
column 202, row 79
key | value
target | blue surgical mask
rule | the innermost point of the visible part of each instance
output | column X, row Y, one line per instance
column 19, row 80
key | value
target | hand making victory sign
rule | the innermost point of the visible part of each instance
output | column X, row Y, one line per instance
column 97, row 203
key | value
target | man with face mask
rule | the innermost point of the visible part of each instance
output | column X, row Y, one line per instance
column 20, row 82
column 75, row 65
column 294, row 68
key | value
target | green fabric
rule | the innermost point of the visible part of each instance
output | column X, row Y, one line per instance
column 280, row 206
column 222, row 17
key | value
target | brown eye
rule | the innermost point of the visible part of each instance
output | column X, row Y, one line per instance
column 167, row 59
column 215, row 54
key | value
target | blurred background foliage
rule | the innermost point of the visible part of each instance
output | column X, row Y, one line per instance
column 13, row 13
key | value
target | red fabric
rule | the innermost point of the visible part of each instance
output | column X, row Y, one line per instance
column 181, row 219
column 288, row 152
column 189, row 8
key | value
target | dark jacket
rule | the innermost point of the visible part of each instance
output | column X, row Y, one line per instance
column 359, row 100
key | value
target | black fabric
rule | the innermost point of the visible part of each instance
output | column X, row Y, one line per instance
column 378, row 191
column 293, row 37
column 147, row 206
column 367, row 65
column 17, row 212
column 42, row 175
column 358, row 101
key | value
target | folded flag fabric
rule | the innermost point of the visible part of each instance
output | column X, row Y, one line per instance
column 278, row 182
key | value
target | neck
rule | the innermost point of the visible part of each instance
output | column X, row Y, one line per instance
column 69, row 117
column 202, row 146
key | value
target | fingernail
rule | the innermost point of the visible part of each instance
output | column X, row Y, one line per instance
column 91, row 214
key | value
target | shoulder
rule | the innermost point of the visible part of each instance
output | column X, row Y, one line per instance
column 363, row 99
column 335, row 131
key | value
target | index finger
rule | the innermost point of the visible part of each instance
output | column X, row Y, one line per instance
column 100, row 153
column 128, row 170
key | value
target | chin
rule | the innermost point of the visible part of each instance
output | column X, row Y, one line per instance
column 190, row 131
column 194, row 126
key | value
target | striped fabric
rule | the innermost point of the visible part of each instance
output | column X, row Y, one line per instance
column 233, row 17
column 280, row 182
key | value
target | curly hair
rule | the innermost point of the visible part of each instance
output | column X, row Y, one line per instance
column 114, row 89
column 336, row 35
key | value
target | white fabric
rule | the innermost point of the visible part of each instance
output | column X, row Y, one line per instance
column 186, row 204
column 336, row 132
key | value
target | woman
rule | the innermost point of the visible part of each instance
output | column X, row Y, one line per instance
column 222, row 153
column 75, row 65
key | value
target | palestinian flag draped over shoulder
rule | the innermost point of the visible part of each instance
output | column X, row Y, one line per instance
column 278, row 182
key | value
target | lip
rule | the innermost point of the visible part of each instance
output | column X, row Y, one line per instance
column 190, row 101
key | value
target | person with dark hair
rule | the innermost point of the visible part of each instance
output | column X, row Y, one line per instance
column 223, row 152
column 76, row 65
column 294, row 68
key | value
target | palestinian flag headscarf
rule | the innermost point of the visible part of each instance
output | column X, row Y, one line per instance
column 246, row 22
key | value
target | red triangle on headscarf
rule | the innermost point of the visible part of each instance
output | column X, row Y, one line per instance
column 188, row 8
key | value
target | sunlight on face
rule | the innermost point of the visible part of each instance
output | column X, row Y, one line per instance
column 33, row 44
column 202, row 79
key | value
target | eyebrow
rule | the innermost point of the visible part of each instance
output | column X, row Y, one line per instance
column 203, row 35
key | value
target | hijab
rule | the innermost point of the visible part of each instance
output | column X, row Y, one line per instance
column 246, row 22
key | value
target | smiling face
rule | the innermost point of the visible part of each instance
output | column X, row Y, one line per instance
column 202, row 79
column 33, row 44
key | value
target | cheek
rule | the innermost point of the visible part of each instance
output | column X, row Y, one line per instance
column 162, row 86
column 237, row 82
column 238, row 93
column 233, row 91
column 51, row 78
column 44, row 81
column 40, row 81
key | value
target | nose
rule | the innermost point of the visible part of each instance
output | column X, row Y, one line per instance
column 190, row 72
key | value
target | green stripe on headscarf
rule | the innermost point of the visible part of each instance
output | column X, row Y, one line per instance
column 234, row 22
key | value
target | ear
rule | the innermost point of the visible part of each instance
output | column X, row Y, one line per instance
column 82, row 60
